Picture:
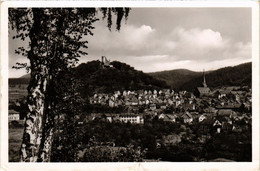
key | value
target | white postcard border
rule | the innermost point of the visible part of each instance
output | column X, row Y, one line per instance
column 5, row 165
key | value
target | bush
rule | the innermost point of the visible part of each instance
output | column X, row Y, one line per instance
column 112, row 154
column 15, row 124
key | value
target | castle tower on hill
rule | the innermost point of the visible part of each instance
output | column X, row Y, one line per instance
column 105, row 62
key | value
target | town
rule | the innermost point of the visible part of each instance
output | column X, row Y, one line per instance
column 222, row 107
column 204, row 122
column 184, row 126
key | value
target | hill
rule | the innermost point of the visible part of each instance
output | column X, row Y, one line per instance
column 21, row 80
column 182, row 79
column 97, row 79
column 176, row 78
column 26, row 76
column 240, row 75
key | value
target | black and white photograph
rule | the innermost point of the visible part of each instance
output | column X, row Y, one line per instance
column 131, row 84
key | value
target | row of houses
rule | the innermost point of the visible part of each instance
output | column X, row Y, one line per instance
column 183, row 100
column 129, row 117
column 223, row 119
column 13, row 115
column 207, row 123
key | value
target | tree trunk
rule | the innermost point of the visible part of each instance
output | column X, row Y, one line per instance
column 48, row 127
column 38, row 130
column 34, row 120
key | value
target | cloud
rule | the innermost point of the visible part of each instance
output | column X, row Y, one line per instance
column 129, row 39
column 149, row 49
column 199, row 38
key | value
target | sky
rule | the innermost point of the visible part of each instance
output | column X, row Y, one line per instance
column 157, row 39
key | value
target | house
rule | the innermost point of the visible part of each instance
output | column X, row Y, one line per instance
column 111, row 103
column 112, row 117
column 93, row 100
column 159, row 100
column 152, row 106
column 163, row 105
column 236, row 128
column 13, row 115
column 229, row 105
column 238, row 94
column 141, row 101
column 177, row 103
column 170, row 102
column 187, row 117
column 140, row 92
column 210, row 110
column 168, row 117
column 134, row 101
column 217, row 125
column 120, row 102
column 221, row 93
column 124, row 93
column 227, row 127
column 167, row 93
column 103, row 116
column 132, row 118
column 206, row 124
column 233, row 115
column 202, row 91
column 224, row 112
column 182, row 92
column 246, row 118
column 189, row 107
column 202, row 117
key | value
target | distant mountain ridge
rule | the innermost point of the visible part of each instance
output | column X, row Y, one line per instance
column 182, row 79
column 26, row 76
column 176, row 78
column 240, row 75
column 123, row 76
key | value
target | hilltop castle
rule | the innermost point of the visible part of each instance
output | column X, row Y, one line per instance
column 105, row 62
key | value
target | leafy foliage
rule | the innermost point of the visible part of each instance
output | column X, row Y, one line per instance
column 130, row 141
column 57, row 39
column 113, row 154
column 92, row 141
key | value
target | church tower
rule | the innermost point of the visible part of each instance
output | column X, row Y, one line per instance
column 204, row 90
column 204, row 79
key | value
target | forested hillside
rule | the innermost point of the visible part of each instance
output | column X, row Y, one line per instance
column 96, row 78
column 240, row 75
column 176, row 78
column 182, row 79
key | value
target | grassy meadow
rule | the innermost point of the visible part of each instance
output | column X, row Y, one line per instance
column 15, row 140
